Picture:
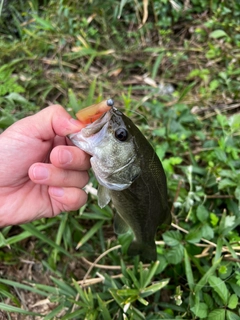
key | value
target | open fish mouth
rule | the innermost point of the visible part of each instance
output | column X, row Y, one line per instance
column 97, row 126
column 92, row 135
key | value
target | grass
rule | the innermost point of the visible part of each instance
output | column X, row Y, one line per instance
column 177, row 76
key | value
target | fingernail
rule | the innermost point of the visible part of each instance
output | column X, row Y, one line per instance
column 64, row 156
column 56, row 191
column 40, row 173
column 75, row 122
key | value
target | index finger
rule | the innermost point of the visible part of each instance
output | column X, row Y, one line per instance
column 51, row 121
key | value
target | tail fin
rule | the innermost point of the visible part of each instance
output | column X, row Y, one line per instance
column 146, row 251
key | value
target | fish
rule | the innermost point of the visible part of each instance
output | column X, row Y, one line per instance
column 130, row 174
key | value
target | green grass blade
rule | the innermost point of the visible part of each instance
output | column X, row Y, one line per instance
column 55, row 312
column 150, row 274
column 8, row 308
column 156, row 65
column 188, row 270
column 64, row 288
column 23, row 286
column 202, row 282
column 90, row 233
column 154, row 288
column 60, row 232
column 36, row 233
column 104, row 309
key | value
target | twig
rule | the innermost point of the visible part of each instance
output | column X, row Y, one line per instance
column 99, row 258
column 92, row 281
column 230, row 259
column 185, row 231
column 100, row 266
column 219, row 196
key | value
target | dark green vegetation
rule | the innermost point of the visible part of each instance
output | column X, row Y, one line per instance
column 177, row 77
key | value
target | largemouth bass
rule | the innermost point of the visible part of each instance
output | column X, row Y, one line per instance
column 130, row 174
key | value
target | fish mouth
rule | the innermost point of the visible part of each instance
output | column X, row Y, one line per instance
column 96, row 126
column 91, row 135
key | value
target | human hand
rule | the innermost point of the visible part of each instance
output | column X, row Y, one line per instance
column 40, row 174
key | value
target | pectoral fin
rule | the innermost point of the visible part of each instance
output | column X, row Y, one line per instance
column 103, row 196
column 120, row 226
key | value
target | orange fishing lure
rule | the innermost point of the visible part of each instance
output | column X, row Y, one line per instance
column 95, row 111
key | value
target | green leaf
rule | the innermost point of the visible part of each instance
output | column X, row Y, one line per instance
column 234, row 122
column 214, row 84
column 202, row 213
column 229, row 221
column 232, row 316
column 208, row 300
column 237, row 193
column 233, row 301
column 226, row 183
column 221, row 155
column 175, row 254
column 217, row 314
column 200, row 310
column 214, row 219
column 218, row 34
column 172, row 238
column 220, row 288
column 207, row 232
column 6, row 119
column 14, row 96
column 194, row 236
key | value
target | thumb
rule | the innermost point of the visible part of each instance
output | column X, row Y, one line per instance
column 51, row 121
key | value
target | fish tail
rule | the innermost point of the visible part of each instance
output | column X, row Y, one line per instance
column 146, row 251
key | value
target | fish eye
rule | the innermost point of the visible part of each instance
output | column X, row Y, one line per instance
column 121, row 134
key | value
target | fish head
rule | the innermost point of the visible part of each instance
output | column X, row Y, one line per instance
column 111, row 143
